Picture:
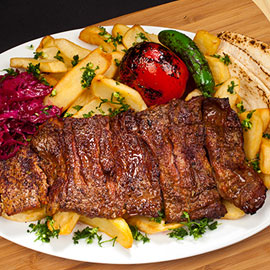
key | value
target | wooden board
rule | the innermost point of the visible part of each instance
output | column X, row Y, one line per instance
column 254, row 253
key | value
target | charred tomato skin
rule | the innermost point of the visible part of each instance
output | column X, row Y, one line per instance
column 155, row 72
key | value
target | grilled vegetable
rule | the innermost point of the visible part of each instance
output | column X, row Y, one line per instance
column 188, row 51
column 155, row 72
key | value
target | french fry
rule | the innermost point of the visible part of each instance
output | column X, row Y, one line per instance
column 46, row 42
column 113, row 227
column 135, row 35
column 219, row 70
column 104, row 88
column 145, row 224
column 119, row 28
column 252, row 136
column 93, row 107
column 69, row 88
column 265, row 156
column 65, row 221
column 51, row 66
column 70, row 49
column 206, row 42
column 194, row 93
column 266, row 179
column 50, row 79
column 27, row 216
column 233, row 212
column 223, row 91
column 264, row 114
column 116, row 59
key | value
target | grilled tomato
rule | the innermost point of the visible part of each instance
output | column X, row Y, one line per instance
column 155, row 72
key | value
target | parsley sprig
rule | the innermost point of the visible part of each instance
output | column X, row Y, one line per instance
column 108, row 38
column 75, row 60
column 38, row 55
column 42, row 231
column 137, row 235
column 230, row 88
column 194, row 228
column 35, row 70
column 59, row 57
column 116, row 99
column 240, row 107
column 89, row 234
column 158, row 219
column 246, row 123
column 225, row 59
column 88, row 74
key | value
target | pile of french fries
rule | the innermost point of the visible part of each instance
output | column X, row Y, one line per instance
column 77, row 101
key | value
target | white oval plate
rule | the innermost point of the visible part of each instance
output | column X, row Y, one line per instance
column 161, row 247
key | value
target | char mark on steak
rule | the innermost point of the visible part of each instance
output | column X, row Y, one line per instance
column 236, row 181
column 175, row 135
column 23, row 184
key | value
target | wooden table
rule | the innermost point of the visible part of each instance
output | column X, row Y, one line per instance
column 213, row 15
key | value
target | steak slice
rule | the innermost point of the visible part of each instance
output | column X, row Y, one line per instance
column 236, row 181
column 136, row 170
column 175, row 135
column 23, row 184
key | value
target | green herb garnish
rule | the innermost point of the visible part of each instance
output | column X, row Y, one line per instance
column 137, row 235
column 38, row 55
column 116, row 99
column 59, row 57
column 141, row 36
column 194, row 228
column 108, row 38
column 158, row 219
column 35, row 70
column 75, row 60
column 266, row 135
column 53, row 93
column 77, row 107
column 240, row 107
column 117, row 62
column 231, row 87
column 45, row 110
column 9, row 72
column 30, row 47
column 88, row 115
column 89, row 234
column 42, row 230
column 255, row 163
column 246, row 123
column 225, row 59
column 88, row 75
column 68, row 114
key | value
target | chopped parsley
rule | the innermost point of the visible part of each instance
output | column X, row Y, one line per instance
column 42, row 231
column 266, row 135
column 9, row 72
column 137, row 235
column 116, row 99
column 108, row 38
column 53, row 93
column 240, row 107
column 38, row 55
column 158, row 219
column 88, row 75
column 68, row 114
column 140, row 37
column 225, row 59
column 88, row 115
column 30, row 47
column 75, row 60
column 35, row 70
column 194, row 228
column 255, row 163
column 246, row 123
column 59, row 57
column 231, row 87
column 89, row 234
column 117, row 62
column 77, row 107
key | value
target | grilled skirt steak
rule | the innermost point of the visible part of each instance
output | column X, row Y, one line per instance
column 23, row 184
column 175, row 134
column 237, row 182
column 136, row 164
